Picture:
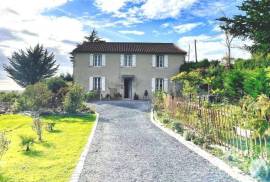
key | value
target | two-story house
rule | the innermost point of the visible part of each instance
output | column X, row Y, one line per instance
column 126, row 68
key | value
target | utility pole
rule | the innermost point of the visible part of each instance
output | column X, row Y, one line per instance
column 195, row 44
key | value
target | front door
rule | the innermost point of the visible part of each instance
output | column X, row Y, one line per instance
column 127, row 88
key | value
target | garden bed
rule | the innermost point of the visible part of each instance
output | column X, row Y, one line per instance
column 53, row 159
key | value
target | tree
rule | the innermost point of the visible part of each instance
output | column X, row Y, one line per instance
column 31, row 66
column 93, row 37
column 253, row 24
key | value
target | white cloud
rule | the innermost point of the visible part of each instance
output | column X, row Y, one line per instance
column 160, row 9
column 133, row 32
column 143, row 9
column 183, row 28
column 25, row 25
column 211, row 47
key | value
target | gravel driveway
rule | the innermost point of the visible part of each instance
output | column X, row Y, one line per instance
column 127, row 147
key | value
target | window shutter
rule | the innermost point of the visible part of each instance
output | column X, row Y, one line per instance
column 103, row 83
column 103, row 60
column 122, row 60
column 133, row 60
column 91, row 60
column 153, row 84
column 165, row 84
column 154, row 60
column 91, row 83
column 166, row 61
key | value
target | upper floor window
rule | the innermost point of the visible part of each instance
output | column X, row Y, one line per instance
column 97, row 60
column 97, row 83
column 159, row 85
column 160, row 61
column 128, row 60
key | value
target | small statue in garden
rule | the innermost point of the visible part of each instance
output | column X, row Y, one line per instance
column 145, row 95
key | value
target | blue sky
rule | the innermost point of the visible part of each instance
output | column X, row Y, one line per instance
column 60, row 24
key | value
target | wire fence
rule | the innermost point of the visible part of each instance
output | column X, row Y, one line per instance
column 220, row 125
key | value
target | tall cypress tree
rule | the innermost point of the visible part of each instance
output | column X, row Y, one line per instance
column 31, row 66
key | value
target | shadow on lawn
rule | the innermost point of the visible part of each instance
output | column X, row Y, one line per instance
column 70, row 118
column 33, row 153
column 47, row 144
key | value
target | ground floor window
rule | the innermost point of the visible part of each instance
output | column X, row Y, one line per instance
column 97, row 83
column 159, row 86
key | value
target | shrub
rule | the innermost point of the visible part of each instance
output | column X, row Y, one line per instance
column 198, row 141
column 86, row 109
column 36, row 97
column 188, row 135
column 50, row 126
column 74, row 99
column 4, row 143
column 166, row 120
column 92, row 95
column 260, row 170
column 8, row 96
column 26, row 142
column 177, row 127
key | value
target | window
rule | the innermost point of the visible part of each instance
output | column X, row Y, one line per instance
column 159, row 84
column 160, row 61
column 128, row 60
column 97, row 83
column 97, row 60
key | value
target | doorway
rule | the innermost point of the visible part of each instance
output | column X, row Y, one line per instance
column 127, row 88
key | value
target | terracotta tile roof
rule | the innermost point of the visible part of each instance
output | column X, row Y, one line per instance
column 129, row 47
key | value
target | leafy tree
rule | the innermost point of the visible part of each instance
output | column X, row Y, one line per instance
column 93, row 37
column 253, row 24
column 31, row 66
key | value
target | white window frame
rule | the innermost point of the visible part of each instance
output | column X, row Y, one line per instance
column 97, row 60
column 128, row 60
column 97, row 83
column 159, row 84
column 160, row 61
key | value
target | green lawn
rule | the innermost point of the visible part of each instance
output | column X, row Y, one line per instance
column 52, row 160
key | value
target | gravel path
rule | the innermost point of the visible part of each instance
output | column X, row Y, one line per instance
column 127, row 147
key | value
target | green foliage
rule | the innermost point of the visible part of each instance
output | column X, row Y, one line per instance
column 31, row 66
column 233, row 84
column 260, row 170
column 67, row 77
column 8, row 96
column 55, row 84
column 4, row 143
column 166, row 120
column 35, row 97
column 188, row 135
column 253, row 23
column 257, row 61
column 74, row 99
column 26, row 142
column 92, row 95
column 177, row 127
column 93, row 37
column 158, row 101
column 256, row 82
column 189, row 66
column 198, row 141
column 59, row 89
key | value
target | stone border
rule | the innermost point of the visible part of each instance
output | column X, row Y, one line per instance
column 232, row 171
column 78, row 170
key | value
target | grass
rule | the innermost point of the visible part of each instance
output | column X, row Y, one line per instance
column 53, row 159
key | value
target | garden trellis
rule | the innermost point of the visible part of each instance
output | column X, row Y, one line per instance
column 223, row 125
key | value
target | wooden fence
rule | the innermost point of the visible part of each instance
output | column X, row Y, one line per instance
column 218, row 125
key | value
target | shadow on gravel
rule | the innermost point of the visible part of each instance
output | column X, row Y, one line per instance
column 143, row 106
